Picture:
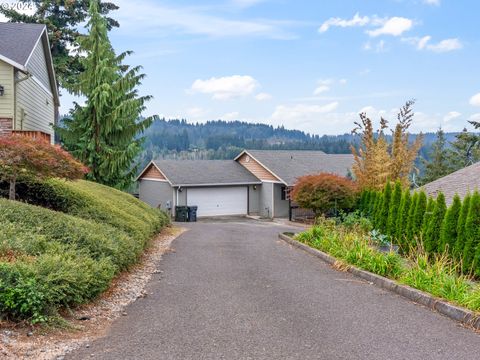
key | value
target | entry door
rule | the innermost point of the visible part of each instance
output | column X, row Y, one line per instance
column 218, row 201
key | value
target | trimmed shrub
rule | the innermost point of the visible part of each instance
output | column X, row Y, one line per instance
column 323, row 193
column 427, row 216
column 395, row 204
column 448, row 232
column 420, row 208
column 432, row 234
column 472, row 232
column 411, row 220
column 378, row 210
column 402, row 220
column 385, row 208
column 460, row 242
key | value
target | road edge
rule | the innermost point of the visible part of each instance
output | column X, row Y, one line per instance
column 459, row 314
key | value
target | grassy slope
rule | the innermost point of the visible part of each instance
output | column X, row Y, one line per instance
column 50, row 259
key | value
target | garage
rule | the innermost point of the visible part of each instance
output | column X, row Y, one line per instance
column 219, row 201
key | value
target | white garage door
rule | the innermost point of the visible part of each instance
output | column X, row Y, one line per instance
column 217, row 201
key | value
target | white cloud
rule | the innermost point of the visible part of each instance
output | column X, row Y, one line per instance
column 300, row 112
column 475, row 117
column 234, row 115
column 150, row 18
column 226, row 87
column 196, row 112
column 263, row 96
column 378, row 47
column 475, row 100
column 394, row 26
column 342, row 81
column 321, row 89
column 357, row 20
column 451, row 115
column 446, row 45
column 432, row 2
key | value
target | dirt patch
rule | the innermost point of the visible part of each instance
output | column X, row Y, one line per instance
column 88, row 322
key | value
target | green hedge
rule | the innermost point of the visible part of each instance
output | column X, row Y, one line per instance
column 51, row 259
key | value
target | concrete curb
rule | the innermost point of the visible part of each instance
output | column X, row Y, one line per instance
column 456, row 313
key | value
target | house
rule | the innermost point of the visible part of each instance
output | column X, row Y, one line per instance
column 29, row 97
column 256, row 182
column 460, row 182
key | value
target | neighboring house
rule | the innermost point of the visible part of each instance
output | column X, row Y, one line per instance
column 256, row 182
column 460, row 182
column 28, row 91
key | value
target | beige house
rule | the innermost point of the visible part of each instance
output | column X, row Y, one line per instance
column 28, row 91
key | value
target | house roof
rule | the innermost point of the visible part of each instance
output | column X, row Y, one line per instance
column 17, row 43
column 460, row 182
column 205, row 172
column 288, row 165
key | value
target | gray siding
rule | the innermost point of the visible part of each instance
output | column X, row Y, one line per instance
column 37, row 65
column 6, row 80
column 266, row 199
column 281, row 206
column 254, row 199
column 182, row 197
column 156, row 193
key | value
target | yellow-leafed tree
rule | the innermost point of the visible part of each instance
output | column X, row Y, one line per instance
column 378, row 161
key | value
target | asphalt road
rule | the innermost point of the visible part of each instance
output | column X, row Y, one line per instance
column 232, row 290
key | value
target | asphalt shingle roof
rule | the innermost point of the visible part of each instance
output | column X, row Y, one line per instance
column 17, row 40
column 460, row 182
column 291, row 164
column 205, row 172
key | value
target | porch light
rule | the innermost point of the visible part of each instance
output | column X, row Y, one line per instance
column 2, row 90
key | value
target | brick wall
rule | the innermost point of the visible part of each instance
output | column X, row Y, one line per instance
column 6, row 126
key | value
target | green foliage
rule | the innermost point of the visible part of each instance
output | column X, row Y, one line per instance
column 49, row 259
column 104, row 133
column 402, row 220
column 432, row 233
column 411, row 221
column 448, row 232
column 377, row 211
column 420, row 208
column 472, row 232
column 460, row 241
column 427, row 216
column 439, row 164
column 394, row 209
column 385, row 208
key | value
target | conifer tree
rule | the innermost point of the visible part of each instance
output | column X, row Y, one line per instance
column 402, row 219
column 439, row 165
column 377, row 209
column 428, row 215
column 394, row 208
column 462, row 219
column 103, row 133
column 432, row 233
column 366, row 202
column 384, row 211
column 371, row 205
column 448, row 232
column 472, row 232
column 420, row 208
column 409, row 233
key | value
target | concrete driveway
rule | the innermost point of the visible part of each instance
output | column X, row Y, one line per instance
column 232, row 290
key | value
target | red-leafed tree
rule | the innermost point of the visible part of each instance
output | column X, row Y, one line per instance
column 25, row 158
column 325, row 192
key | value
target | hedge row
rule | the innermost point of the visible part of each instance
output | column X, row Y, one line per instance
column 417, row 220
column 50, row 259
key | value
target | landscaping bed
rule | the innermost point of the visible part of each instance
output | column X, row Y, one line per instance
column 67, row 252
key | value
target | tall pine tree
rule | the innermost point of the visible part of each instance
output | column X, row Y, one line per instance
column 103, row 133
column 439, row 164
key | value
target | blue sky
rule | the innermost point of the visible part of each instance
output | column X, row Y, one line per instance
column 308, row 65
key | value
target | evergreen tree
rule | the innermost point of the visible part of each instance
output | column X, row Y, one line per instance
column 448, row 232
column 61, row 18
column 418, row 215
column 371, row 205
column 472, row 232
column 385, row 208
column 377, row 209
column 439, row 164
column 103, row 133
column 432, row 234
column 428, row 215
column 366, row 202
column 460, row 241
column 464, row 150
column 394, row 208
column 402, row 219
column 409, row 233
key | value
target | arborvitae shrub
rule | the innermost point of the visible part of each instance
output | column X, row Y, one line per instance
column 402, row 219
column 460, row 241
column 411, row 221
column 378, row 209
column 395, row 203
column 472, row 231
column 418, row 215
column 448, row 232
column 427, row 216
column 385, row 208
column 432, row 233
